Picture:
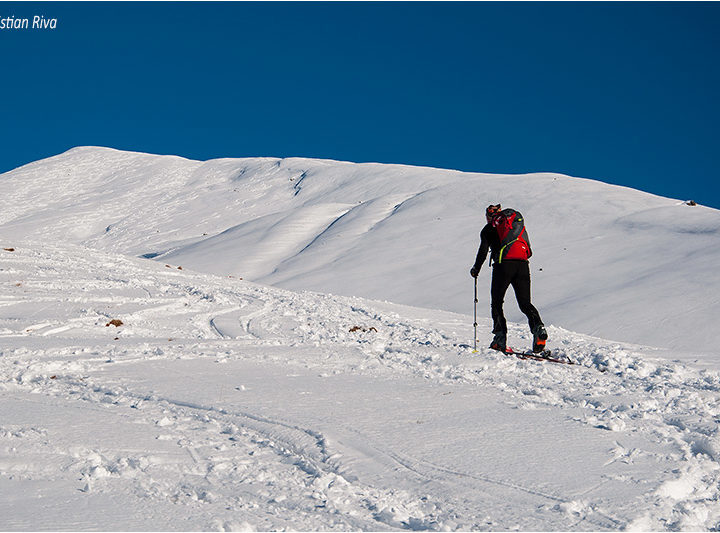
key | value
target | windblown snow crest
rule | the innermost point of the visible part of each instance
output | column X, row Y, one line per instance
column 216, row 403
column 608, row 261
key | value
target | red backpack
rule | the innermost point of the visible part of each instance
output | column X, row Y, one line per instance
column 514, row 240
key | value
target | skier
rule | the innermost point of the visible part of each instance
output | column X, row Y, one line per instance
column 506, row 237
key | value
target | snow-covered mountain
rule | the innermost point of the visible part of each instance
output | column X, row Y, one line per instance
column 173, row 395
column 608, row 260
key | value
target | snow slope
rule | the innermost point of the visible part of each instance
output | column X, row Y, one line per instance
column 609, row 261
column 174, row 395
column 220, row 404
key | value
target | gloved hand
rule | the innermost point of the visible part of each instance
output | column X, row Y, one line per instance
column 474, row 272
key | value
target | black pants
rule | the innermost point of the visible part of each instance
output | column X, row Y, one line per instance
column 517, row 274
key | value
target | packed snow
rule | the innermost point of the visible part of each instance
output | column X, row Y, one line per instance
column 212, row 346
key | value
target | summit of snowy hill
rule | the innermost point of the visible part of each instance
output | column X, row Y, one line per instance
column 608, row 261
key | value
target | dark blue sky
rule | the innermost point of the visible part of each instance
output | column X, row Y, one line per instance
column 627, row 93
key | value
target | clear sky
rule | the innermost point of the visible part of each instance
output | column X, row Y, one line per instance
column 626, row 93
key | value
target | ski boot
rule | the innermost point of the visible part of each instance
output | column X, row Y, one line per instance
column 499, row 342
column 539, row 338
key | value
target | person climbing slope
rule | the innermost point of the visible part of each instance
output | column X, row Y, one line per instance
column 506, row 237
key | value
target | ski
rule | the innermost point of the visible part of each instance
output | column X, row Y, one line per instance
column 545, row 355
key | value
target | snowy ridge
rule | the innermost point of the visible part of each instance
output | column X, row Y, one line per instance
column 223, row 404
column 608, row 261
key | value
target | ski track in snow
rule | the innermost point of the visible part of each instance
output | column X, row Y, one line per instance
column 245, row 466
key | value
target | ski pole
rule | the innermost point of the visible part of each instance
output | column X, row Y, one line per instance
column 475, row 318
